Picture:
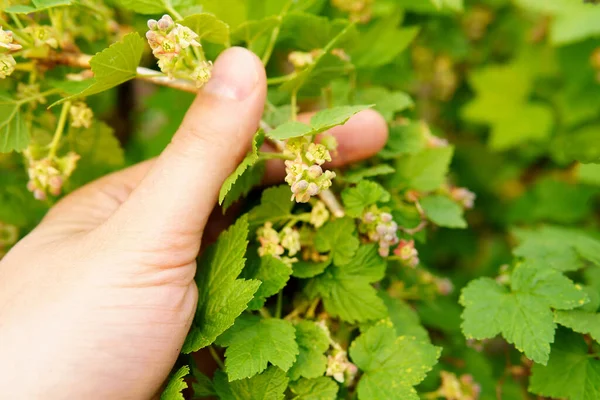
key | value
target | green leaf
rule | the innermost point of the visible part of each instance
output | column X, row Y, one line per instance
column 153, row 6
column 581, row 145
column 203, row 386
column 404, row 317
column 571, row 373
column 338, row 237
column 272, row 272
column 560, row 248
column 255, row 34
column 248, row 162
column 312, row 343
column 254, row 343
column 14, row 134
column 100, row 152
column 388, row 103
column 113, row 66
column 442, row 211
column 320, row 122
column 360, row 174
column 366, row 193
column 307, row 269
column 37, row 5
column 176, row 385
column 423, row 171
column 383, row 42
column 523, row 314
column 502, row 103
column 583, row 322
column 222, row 297
column 208, row 27
column 275, row 204
column 346, row 290
column 408, row 138
column 330, row 117
column 321, row 388
column 270, row 385
column 392, row 365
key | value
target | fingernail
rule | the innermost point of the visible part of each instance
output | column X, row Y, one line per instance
column 235, row 75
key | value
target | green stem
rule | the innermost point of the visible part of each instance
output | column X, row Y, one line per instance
column 264, row 313
column 279, row 305
column 216, row 357
column 59, row 129
column 281, row 79
column 271, row 46
column 173, row 11
column 16, row 20
column 38, row 96
column 263, row 155
column 294, row 105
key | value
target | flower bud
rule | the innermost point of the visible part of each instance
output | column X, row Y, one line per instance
column 319, row 214
column 406, row 252
column 300, row 59
column 463, row 196
column 152, row 24
column 165, row 22
column 314, row 172
column 7, row 65
column 81, row 115
column 202, row 73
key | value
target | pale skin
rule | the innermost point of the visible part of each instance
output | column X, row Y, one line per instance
column 96, row 302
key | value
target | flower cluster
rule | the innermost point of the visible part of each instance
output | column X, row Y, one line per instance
column 47, row 175
column 454, row 388
column 339, row 367
column 81, row 115
column 273, row 243
column 380, row 227
column 307, row 180
column 407, row 253
column 171, row 44
column 464, row 196
column 7, row 61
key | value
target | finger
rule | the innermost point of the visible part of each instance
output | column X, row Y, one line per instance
column 360, row 138
column 179, row 191
column 94, row 203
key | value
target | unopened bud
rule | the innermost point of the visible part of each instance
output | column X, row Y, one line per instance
column 152, row 24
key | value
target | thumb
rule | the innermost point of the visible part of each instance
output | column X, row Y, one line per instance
column 179, row 191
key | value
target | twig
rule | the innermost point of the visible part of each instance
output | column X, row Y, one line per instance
column 216, row 357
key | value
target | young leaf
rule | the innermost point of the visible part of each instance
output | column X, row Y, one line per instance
column 442, row 211
column 587, row 323
column 270, row 385
column 271, row 271
column 359, row 175
column 321, row 388
column 208, row 27
column 392, row 365
column 570, row 373
column 248, row 162
column 14, row 134
column 312, row 343
column 203, row 386
column 322, row 121
column 252, row 343
column 338, row 236
column 560, row 248
column 307, row 269
column 366, row 193
column 176, row 385
column 222, row 297
column 113, row 66
column 423, row 171
column 523, row 314
column 37, row 5
column 346, row 290
column 275, row 204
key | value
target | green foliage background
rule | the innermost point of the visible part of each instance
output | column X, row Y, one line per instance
column 512, row 85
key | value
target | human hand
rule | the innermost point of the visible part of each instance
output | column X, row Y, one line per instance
column 96, row 302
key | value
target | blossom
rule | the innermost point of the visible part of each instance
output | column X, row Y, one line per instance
column 81, row 115
column 269, row 241
column 339, row 367
column 202, row 73
column 48, row 175
column 407, row 252
column 319, row 214
column 290, row 240
column 300, row 59
column 463, row 388
column 7, row 65
column 6, row 41
column 43, row 35
column 317, row 153
column 381, row 228
column 463, row 196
